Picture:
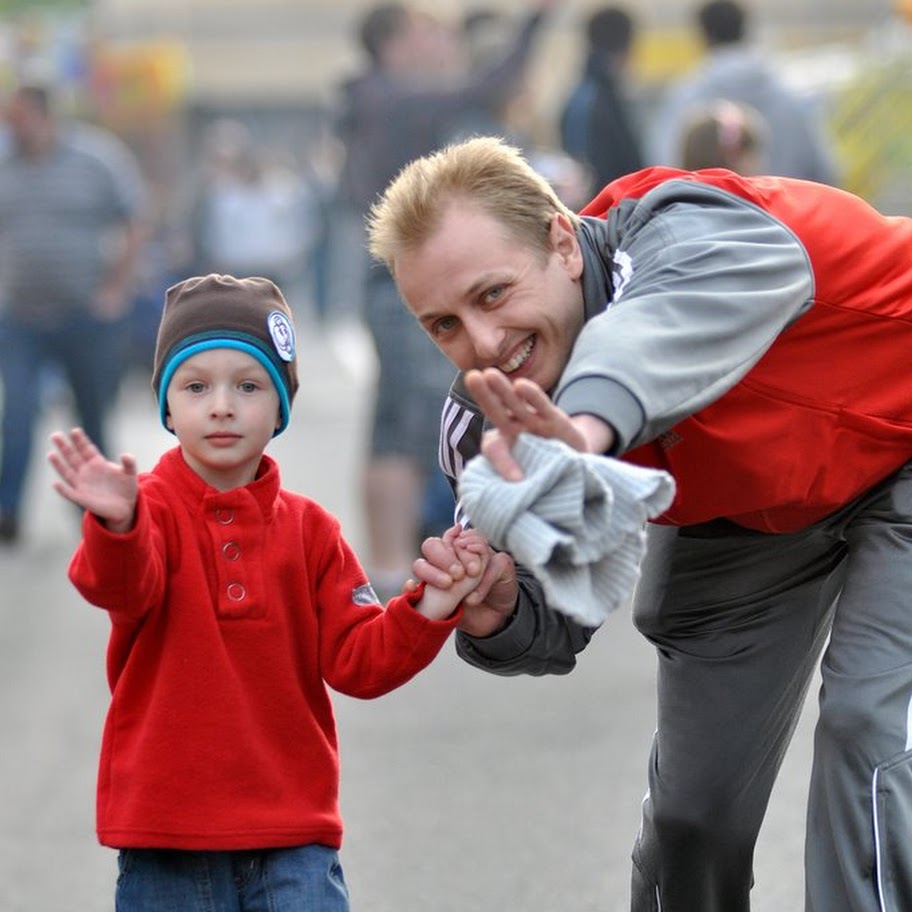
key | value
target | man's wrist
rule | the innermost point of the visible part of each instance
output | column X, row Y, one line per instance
column 598, row 434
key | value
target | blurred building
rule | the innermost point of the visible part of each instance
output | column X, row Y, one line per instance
column 241, row 47
column 158, row 71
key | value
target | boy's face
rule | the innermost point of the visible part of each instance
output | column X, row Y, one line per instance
column 224, row 409
column 488, row 300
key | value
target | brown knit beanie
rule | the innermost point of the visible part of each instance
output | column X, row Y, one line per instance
column 220, row 311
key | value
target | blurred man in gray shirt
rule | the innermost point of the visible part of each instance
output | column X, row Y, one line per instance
column 70, row 197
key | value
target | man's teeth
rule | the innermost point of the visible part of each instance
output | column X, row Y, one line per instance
column 519, row 358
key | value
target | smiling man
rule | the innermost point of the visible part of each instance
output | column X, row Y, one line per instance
column 750, row 336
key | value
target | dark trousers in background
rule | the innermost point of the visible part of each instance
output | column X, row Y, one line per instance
column 90, row 355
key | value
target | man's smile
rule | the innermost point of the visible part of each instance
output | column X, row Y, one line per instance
column 519, row 357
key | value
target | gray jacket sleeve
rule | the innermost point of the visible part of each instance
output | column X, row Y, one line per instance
column 704, row 283
column 537, row 641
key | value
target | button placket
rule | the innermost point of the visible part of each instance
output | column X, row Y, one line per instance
column 235, row 591
column 235, row 532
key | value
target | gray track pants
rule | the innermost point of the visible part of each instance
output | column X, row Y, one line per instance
column 739, row 619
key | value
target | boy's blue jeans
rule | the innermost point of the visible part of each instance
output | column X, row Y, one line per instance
column 300, row 879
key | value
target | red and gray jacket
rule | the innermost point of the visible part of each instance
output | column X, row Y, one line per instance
column 749, row 335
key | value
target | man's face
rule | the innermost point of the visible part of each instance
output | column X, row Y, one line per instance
column 489, row 300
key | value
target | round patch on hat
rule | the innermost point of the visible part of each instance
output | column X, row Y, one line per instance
column 282, row 334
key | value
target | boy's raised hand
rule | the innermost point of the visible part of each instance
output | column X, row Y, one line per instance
column 89, row 480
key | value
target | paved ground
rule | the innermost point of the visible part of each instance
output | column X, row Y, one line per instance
column 461, row 791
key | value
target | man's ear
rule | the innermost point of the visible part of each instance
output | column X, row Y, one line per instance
column 169, row 424
column 565, row 244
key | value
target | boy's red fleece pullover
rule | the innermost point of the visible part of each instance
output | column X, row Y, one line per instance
column 231, row 614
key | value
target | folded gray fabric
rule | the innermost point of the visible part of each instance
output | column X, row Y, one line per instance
column 575, row 520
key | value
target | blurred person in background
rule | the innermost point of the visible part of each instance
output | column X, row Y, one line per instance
column 736, row 68
column 485, row 36
column 725, row 134
column 253, row 216
column 487, row 33
column 70, row 233
column 598, row 125
column 416, row 89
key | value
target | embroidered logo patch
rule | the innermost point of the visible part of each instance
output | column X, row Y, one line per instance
column 365, row 595
column 282, row 334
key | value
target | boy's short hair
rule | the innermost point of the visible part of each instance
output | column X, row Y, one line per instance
column 220, row 311
column 484, row 171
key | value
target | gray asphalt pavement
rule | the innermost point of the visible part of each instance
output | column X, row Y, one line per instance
column 461, row 791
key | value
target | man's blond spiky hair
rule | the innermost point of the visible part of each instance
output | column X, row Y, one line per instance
column 484, row 171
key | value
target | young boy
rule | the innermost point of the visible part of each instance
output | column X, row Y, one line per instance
column 234, row 603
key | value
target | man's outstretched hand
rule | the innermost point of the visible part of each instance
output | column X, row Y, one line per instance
column 514, row 406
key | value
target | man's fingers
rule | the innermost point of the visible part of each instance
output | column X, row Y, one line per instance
column 482, row 391
column 499, row 566
column 513, row 407
column 496, row 448
column 538, row 404
column 517, row 401
column 495, row 396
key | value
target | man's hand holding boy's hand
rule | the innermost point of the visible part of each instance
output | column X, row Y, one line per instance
column 469, row 554
column 490, row 602
column 87, row 479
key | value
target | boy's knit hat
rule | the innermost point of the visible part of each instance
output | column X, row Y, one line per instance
column 220, row 311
